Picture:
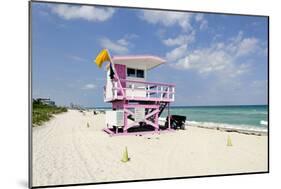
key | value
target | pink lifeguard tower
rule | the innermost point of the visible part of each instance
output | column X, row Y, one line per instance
column 136, row 103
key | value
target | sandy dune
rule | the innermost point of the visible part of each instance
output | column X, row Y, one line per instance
column 66, row 151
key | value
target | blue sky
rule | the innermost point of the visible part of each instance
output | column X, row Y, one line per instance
column 213, row 59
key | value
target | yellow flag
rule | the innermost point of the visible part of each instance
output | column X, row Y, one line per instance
column 102, row 57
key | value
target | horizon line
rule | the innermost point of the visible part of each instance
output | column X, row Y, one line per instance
column 191, row 105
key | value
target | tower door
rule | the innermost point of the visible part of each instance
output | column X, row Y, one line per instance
column 121, row 71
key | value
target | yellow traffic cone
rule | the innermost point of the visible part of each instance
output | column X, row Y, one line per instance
column 229, row 142
column 125, row 156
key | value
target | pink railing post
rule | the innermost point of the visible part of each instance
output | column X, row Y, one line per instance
column 169, row 123
column 125, row 121
column 156, row 122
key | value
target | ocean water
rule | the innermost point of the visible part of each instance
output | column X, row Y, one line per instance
column 252, row 117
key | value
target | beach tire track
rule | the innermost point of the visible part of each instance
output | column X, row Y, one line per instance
column 76, row 145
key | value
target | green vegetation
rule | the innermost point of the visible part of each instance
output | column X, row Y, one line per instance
column 43, row 112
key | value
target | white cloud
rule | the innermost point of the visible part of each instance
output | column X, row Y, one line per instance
column 123, row 42
column 247, row 46
column 167, row 18
column 182, row 19
column 265, row 51
column 205, row 60
column 116, row 47
column 89, row 86
column 176, row 53
column 43, row 13
column 77, row 58
column 120, row 46
column 259, row 85
column 180, row 40
column 89, row 13
column 217, row 36
column 161, row 32
column 203, row 22
column 199, row 17
column 219, row 57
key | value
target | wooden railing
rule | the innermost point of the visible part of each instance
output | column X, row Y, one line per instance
column 141, row 90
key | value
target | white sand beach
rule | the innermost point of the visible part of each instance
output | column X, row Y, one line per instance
column 67, row 151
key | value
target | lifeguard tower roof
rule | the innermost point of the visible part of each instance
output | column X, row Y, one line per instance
column 146, row 62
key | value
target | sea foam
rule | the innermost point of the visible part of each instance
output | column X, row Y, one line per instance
column 263, row 122
column 214, row 125
column 225, row 126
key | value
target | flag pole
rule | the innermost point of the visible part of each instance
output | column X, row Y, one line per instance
column 115, row 73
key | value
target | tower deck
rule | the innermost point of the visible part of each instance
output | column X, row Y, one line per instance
column 137, row 91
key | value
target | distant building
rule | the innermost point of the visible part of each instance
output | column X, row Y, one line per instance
column 46, row 101
column 76, row 106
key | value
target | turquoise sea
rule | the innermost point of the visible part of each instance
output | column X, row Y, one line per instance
column 249, row 117
column 245, row 117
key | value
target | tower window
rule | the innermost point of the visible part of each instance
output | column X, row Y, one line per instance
column 135, row 73
column 140, row 73
column 131, row 72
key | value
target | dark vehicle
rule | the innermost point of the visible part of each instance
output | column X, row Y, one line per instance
column 176, row 122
